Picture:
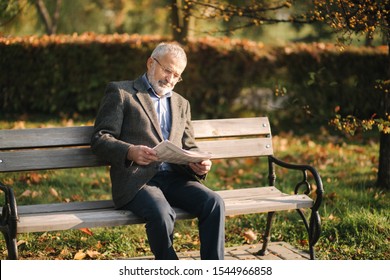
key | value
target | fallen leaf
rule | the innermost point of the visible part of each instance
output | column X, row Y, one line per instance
column 250, row 236
column 35, row 194
column 26, row 193
column 77, row 197
column 99, row 245
column 80, row 255
column 19, row 125
column 87, row 231
column 250, row 161
column 20, row 242
column 92, row 254
column 95, row 184
column 8, row 181
column 53, row 192
column 303, row 242
column 64, row 252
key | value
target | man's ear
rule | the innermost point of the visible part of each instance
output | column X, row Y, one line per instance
column 149, row 63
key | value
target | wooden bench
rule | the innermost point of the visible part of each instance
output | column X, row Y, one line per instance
column 69, row 147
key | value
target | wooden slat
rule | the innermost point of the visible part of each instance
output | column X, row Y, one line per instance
column 82, row 219
column 75, row 220
column 56, row 158
column 61, row 207
column 249, row 192
column 17, row 153
column 22, row 160
column 81, row 135
column 239, row 201
column 237, row 147
column 109, row 204
column 231, row 127
column 256, row 205
column 45, row 137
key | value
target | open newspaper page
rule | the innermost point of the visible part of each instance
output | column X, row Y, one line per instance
column 169, row 152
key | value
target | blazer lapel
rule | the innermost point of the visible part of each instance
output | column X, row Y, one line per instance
column 176, row 115
column 147, row 104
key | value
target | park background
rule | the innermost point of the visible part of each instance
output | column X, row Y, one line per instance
column 321, row 85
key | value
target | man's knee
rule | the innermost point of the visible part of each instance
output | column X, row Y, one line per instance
column 215, row 203
column 163, row 216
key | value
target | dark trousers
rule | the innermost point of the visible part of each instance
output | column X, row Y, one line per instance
column 154, row 203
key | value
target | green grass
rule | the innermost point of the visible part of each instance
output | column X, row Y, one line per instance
column 355, row 213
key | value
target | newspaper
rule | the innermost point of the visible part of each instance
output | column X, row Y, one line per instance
column 169, row 152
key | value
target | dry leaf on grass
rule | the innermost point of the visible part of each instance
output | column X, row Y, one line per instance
column 53, row 192
column 80, row 255
column 250, row 236
column 93, row 254
column 87, row 231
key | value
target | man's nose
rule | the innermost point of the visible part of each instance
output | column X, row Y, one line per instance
column 171, row 78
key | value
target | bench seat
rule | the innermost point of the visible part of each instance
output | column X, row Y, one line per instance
column 89, row 214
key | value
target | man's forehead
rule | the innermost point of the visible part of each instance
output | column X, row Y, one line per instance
column 173, row 63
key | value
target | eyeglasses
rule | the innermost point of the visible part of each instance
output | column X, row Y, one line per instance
column 169, row 72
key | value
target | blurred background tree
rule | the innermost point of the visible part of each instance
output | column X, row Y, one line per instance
column 181, row 19
column 364, row 17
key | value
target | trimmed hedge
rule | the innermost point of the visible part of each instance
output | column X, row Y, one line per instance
column 66, row 74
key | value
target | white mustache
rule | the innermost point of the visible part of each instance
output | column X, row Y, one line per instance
column 165, row 84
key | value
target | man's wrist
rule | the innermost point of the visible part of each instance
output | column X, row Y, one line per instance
column 129, row 155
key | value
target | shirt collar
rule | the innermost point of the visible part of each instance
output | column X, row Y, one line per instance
column 151, row 90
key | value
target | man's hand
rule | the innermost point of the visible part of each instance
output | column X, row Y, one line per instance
column 201, row 168
column 141, row 155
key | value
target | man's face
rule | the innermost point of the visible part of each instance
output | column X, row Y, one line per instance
column 164, row 72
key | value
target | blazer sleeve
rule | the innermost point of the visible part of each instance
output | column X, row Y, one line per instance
column 189, row 143
column 107, row 129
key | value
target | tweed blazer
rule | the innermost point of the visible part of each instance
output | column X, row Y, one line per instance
column 127, row 117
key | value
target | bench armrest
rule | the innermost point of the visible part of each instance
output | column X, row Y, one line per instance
column 319, row 190
column 314, row 225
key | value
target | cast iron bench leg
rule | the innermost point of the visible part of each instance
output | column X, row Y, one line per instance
column 267, row 234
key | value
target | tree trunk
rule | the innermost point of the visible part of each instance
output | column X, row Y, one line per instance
column 181, row 20
column 175, row 18
column 49, row 22
column 384, row 161
column 384, row 149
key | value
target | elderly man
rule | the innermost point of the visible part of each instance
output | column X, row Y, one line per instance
column 135, row 116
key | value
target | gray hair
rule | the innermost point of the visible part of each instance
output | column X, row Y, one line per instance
column 173, row 49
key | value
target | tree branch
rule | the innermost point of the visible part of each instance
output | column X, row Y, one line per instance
column 51, row 23
column 56, row 16
column 256, row 13
column 45, row 16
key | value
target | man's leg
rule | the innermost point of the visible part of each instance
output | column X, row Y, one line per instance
column 207, row 205
column 151, row 205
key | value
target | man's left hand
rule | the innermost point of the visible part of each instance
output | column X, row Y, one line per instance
column 201, row 168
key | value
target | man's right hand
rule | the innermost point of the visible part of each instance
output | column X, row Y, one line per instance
column 141, row 155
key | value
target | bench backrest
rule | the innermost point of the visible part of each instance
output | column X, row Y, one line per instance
column 69, row 147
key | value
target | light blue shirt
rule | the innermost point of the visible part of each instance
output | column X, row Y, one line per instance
column 163, row 109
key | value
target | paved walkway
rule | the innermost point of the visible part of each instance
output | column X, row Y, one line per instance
column 277, row 251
